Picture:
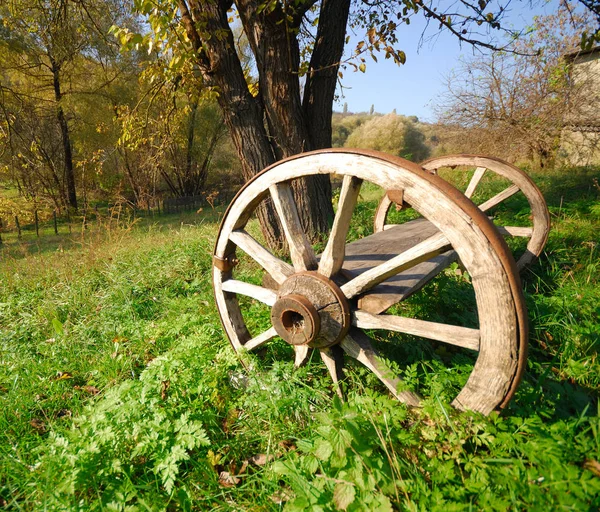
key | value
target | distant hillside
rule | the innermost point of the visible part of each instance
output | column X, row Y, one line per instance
column 415, row 140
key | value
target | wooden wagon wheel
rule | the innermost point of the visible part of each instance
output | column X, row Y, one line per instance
column 315, row 307
column 537, row 232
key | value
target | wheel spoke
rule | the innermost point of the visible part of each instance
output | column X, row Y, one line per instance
column 423, row 251
column 261, row 339
column 302, row 355
column 452, row 334
column 498, row 198
column 301, row 252
column 333, row 357
column 515, row 231
column 259, row 293
column 332, row 258
column 357, row 345
column 277, row 269
column 479, row 172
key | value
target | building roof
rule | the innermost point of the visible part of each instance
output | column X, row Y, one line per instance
column 579, row 52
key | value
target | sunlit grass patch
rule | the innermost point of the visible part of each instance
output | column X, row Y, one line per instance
column 119, row 388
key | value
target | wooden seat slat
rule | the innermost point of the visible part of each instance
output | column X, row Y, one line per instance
column 375, row 249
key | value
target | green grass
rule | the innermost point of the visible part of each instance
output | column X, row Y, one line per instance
column 119, row 391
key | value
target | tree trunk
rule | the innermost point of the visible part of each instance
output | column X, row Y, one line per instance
column 278, row 58
column 275, row 124
column 189, row 182
column 66, row 138
column 203, row 172
column 321, row 80
column 242, row 113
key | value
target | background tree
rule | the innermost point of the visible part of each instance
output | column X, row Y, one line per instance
column 516, row 104
column 169, row 137
column 277, row 116
column 393, row 134
column 44, row 46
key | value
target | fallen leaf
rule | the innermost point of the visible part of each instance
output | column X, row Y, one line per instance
column 64, row 413
column 593, row 466
column 226, row 479
column 92, row 390
column 164, row 389
column 243, row 468
column 260, row 459
column 282, row 496
column 39, row 425
column 287, row 445
column 63, row 376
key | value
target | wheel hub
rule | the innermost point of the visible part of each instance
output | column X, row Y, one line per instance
column 310, row 310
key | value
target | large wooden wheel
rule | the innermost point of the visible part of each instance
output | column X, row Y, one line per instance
column 537, row 232
column 317, row 306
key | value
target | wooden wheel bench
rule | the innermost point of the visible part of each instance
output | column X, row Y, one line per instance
column 326, row 302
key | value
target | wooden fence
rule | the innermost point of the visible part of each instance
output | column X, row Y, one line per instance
column 61, row 224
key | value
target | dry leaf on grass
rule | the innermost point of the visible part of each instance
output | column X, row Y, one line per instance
column 92, row 390
column 282, row 495
column 38, row 425
column 260, row 459
column 226, row 479
column 164, row 388
column 593, row 466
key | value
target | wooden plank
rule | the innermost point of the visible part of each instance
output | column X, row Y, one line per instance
column 422, row 251
column 451, row 334
column 368, row 252
column 259, row 293
column 279, row 270
column 403, row 285
column 301, row 252
column 332, row 258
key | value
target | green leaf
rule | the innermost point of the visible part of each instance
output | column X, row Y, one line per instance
column 323, row 449
column 311, row 464
column 280, row 468
column 58, row 326
column 343, row 495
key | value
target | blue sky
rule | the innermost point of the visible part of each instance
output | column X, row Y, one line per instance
column 412, row 89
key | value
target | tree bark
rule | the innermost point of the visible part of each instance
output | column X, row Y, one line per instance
column 321, row 80
column 65, row 136
column 190, row 184
column 243, row 115
column 277, row 52
column 275, row 124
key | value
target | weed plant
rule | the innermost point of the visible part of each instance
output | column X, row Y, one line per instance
column 119, row 391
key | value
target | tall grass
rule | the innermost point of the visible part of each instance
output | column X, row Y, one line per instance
column 119, row 391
